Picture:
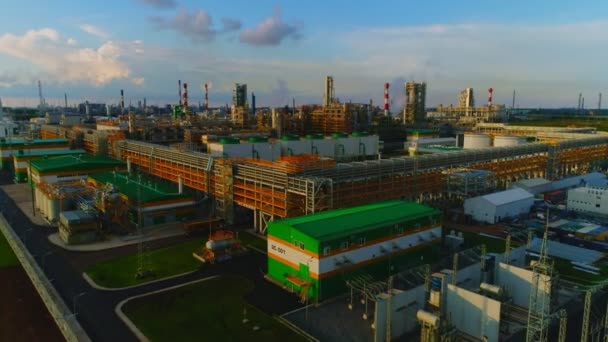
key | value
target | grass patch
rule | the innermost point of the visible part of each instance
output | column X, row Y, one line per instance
column 493, row 245
column 600, row 125
column 249, row 239
column 7, row 257
column 164, row 262
column 207, row 311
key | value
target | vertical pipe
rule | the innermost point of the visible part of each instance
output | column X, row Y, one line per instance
column 180, row 185
column 128, row 165
column 386, row 85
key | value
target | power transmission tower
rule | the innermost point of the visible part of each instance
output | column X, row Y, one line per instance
column 563, row 320
column 539, row 305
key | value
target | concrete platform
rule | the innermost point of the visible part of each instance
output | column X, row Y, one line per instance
column 154, row 233
column 22, row 196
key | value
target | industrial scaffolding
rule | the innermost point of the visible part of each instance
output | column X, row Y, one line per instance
column 301, row 185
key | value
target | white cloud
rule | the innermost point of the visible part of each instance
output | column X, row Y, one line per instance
column 138, row 81
column 162, row 4
column 272, row 31
column 195, row 24
column 62, row 62
column 71, row 42
column 94, row 30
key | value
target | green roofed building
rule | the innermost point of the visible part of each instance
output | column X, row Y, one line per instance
column 22, row 158
column 71, row 168
column 135, row 197
column 10, row 147
column 314, row 255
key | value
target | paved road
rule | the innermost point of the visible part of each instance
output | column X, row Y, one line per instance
column 95, row 310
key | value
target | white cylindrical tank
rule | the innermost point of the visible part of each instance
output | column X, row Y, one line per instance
column 476, row 140
column 215, row 245
column 427, row 317
column 508, row 140
column 53, row 213
column 497, row 290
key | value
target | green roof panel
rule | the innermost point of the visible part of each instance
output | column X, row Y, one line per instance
column 75, row 162
column 342, row 222
column 141, row 186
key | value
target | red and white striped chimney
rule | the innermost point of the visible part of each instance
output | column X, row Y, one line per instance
column 185, row 102
column 386, row 85
column 490, row 91
column 206, row 97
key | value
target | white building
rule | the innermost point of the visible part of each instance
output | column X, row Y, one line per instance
column 494, row 207
column 589, row 199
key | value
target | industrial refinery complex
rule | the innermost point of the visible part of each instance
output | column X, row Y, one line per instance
column 454, row 223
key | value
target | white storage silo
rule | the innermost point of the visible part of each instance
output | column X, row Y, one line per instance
column 476, row 140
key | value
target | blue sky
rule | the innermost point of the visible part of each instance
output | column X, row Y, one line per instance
column 547, row 51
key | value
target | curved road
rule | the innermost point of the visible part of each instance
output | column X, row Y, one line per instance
column 95, row 310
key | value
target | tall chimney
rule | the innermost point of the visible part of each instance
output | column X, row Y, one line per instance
column 179, row 89
column 185, row 102
column 386, row 85
column 206, row 97
column 122, row 101
column 490, row 91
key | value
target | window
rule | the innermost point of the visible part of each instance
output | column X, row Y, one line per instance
column 302, row 245
column 326, row 250
column 344, row 245
column 361, row 241
column 597, row 205
column 295, row 243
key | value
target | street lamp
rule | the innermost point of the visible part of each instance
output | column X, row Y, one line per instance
column 74, row 301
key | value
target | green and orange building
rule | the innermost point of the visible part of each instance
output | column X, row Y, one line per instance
column 315, row 255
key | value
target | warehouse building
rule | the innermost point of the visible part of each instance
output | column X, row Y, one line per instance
column 128, row 199
column 314, row 255
column 493, row 208
column 8, row 148
column 22, row 159
column 589, row 199
column 71, row 168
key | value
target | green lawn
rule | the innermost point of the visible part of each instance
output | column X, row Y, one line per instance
column 249, row 239
column 7, row 258
column 492, row 245
column 601, row 125
column 566, row 271
column 211, row 310
column 165, row 262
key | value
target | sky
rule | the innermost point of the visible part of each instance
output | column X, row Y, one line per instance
column 547, row 51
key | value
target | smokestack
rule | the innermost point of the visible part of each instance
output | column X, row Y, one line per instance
column 328, row 98
column 386, row 85
column 580, row 96
column 185, row 102
column 583, row 104
column 65, row 100
column 207, row 97
column 144, row 104
column 107, row 110
column 599, row 103
column 122, row 102
column 87, row 110
column 179, row 89
column 490, row 91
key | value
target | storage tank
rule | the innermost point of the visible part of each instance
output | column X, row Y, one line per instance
column 508, row 140
column 53, row 214
column 476, row 140
column 427, row 317
column 215, row 245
